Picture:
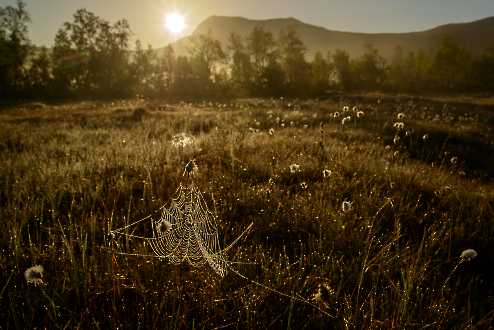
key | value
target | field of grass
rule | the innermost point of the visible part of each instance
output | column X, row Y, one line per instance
column 365, row 220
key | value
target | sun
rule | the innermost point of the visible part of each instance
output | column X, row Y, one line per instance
column 175, row 23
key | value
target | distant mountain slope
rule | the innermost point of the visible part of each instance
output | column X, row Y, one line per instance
column 476, row 36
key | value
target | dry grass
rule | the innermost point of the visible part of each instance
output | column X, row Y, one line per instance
column 70, row 172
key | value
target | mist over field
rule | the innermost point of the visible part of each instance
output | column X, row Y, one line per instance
column 245, row 180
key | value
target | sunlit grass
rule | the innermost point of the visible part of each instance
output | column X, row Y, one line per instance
column 368, row 229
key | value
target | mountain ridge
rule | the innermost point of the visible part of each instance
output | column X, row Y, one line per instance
column 474, row 35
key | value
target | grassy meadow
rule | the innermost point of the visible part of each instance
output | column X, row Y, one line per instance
column 363, row 212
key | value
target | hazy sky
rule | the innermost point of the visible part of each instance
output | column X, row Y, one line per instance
column 146, row 16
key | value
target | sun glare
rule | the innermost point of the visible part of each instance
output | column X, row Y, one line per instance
column 175, row 23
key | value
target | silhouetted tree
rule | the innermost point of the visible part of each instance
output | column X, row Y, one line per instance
column 206, row 57
column 143, row 67
column 450, row 67
column 185, row 82
column 343, row 69
column 39, row 74
column 91, row 56
column 14, row 48
column 482, row 74
column 165, row 71
column 295, row 67
column 241, row 69
column 370, row 69
column 264, row 56
column 272, row 79
column 321, row 71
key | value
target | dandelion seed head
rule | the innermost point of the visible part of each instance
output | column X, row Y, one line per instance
column 360, row 114
column 336, row 115
column 396, row 140
column 271, row 131
column 303, row 185
column 346, row 108
column 454, row 160
column 400, row 116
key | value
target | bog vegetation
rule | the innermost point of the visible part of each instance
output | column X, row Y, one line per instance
column 377, row 210
column 92, row 57
column 364, row 212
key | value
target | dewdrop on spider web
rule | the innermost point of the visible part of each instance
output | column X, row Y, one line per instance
column 186, row 231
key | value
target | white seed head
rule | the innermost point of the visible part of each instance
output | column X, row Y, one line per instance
column 294, row 168
column 326, row 173
column 34, row 275
column 468, row 254
column 400, row 116
column 182, row 140
column 399, row 126
column 346, row 206
column 345, row 120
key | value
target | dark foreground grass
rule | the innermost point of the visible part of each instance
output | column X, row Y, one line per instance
column 419, row 195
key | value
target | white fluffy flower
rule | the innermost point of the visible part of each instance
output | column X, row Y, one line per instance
column 294, row 168
column 468, row 254
column 326, row 173
column 399, row 126
column 345, row 120
column 182, row 140
column 34, row 275
column 346, row 206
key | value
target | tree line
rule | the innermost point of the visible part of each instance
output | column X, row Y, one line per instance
column 92, row 57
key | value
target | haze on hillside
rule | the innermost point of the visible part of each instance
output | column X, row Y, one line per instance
column 476, row 36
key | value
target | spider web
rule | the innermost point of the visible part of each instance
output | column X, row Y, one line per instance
column 186, row 232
